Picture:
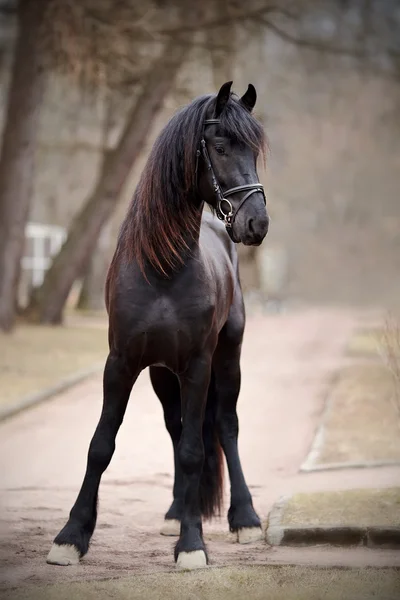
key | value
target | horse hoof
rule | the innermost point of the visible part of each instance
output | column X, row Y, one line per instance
column 64, row 554
column 171, row 527
column 192, row 560
column 247, row 535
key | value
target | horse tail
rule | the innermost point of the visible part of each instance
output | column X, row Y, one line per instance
column 212, row 479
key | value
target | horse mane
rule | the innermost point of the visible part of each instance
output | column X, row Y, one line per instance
column 163, row 214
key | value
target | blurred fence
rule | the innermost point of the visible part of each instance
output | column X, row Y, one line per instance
column 42, row 242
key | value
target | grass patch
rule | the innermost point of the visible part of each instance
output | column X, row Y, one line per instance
column 365, row 343
column 351, row 507
column 36, row 357
column 362, row 424
column 233, row 583
column 390, row 352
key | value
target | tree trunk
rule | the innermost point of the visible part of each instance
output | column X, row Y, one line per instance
column 92, row 296
column 47, row 302
column 17, row 152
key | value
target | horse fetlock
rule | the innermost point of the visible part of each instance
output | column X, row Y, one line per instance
column 243, row 516
column 73, row 536
column 175, row 511
column 191, row 540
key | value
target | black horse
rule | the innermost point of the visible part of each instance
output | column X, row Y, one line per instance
column 175, row 305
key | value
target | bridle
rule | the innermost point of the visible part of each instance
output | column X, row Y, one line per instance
column 222, row 200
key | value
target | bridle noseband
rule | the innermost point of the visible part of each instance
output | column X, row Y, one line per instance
column 251, row 188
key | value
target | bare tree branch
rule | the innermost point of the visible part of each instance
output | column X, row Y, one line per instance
column 228, row 19
column 259, row 16
column 311, row 44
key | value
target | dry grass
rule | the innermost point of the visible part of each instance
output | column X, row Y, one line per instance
column 364, row 343
column 362, row 424
column 233, row 583
column 390, row 351
column 34, row 358
column 385, row 343
column 351, row 507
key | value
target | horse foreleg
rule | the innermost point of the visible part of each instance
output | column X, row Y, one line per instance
column 73, row 540
column 190, row 550
column 242, row 517
column 166, row 386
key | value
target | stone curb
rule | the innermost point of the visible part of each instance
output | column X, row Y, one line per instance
column 278, row 534
column 61, row 386
column 372, row 464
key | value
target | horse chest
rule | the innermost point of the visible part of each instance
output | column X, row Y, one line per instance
column 168, row 334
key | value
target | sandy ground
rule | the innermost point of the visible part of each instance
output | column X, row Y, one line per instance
column 287, row 366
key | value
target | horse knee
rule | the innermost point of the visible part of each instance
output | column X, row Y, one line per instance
column 100, row 452
column 191, row 456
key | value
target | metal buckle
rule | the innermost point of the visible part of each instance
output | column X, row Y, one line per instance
column 225, row 216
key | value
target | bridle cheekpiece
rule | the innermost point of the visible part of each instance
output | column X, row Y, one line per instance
column 224, row 209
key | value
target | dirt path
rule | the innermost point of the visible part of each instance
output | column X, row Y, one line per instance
column 287, row 363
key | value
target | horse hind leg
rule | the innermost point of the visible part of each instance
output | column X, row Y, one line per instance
column 73, row 540
column 166, row 386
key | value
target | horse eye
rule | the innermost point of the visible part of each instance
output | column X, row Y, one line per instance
column 220, row 149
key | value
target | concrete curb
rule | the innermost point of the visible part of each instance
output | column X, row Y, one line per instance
column 61, row 386
column 278, row 534
column 372, row 464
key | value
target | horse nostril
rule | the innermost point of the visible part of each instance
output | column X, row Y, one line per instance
column 250, row 225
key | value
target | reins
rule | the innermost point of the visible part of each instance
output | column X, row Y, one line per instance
column 251, row 188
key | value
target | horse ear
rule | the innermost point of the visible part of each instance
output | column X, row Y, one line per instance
column 249, row 97
column 223, row 97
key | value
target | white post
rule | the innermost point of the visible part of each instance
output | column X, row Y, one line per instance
column 38, row 262
column 38, row 266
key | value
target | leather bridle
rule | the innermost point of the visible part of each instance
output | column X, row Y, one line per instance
column 222, row 201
